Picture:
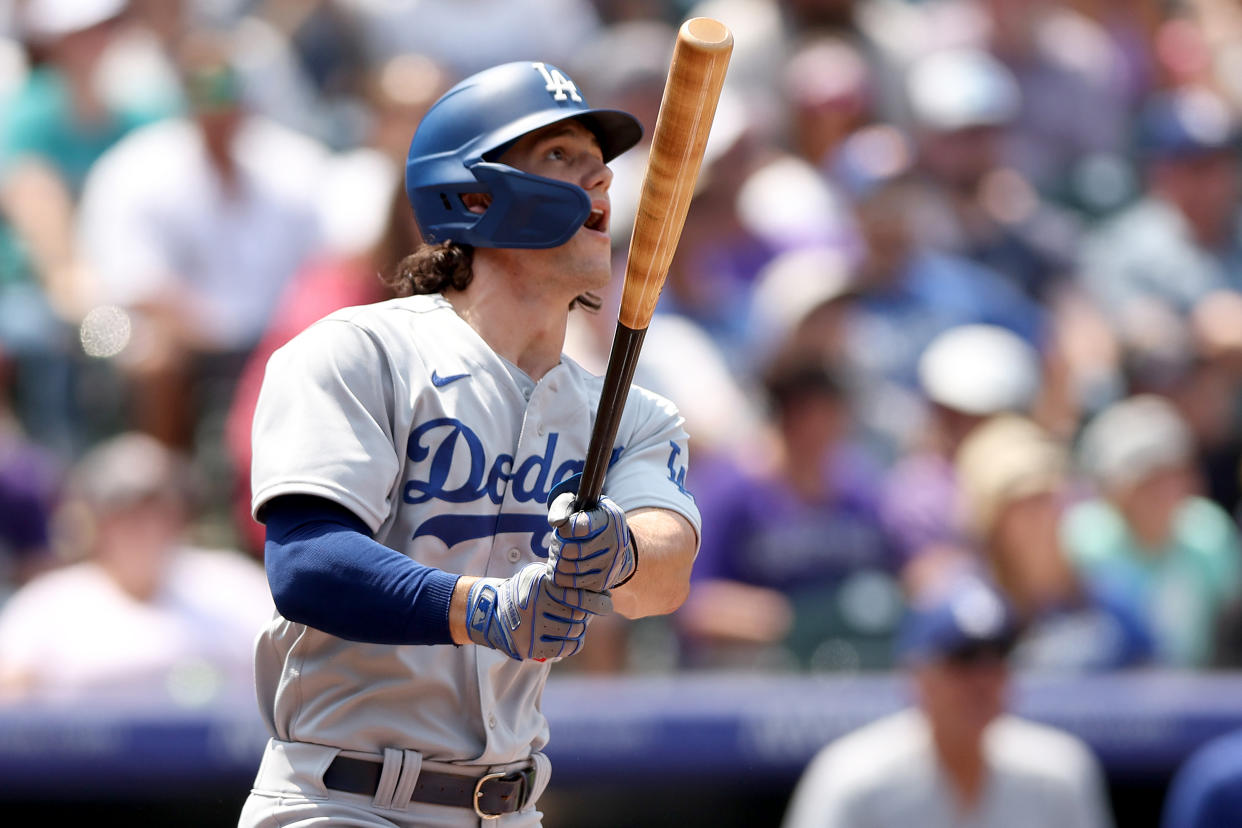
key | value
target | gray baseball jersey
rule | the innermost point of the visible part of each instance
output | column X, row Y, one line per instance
column 400, row 412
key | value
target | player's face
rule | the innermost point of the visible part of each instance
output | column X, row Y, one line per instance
column 568, row 151
column 963, row 696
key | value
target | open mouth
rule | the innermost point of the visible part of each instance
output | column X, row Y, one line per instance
column 597, row 220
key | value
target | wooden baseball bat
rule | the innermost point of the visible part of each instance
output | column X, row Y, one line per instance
column 695, row 77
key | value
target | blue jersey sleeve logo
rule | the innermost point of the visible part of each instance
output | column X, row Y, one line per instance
column 676, row 471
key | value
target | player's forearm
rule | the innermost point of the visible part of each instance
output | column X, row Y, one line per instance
column 458, row 609
column 666, row 547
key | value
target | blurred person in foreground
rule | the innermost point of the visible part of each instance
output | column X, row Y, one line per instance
column 1149, row 533
column 1014, row 485
column 145, row 615
column 956, row 756
column 194, row 226
column 1206, row 789
column 795, row 571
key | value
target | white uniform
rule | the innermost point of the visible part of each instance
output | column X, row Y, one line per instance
column 400, row 412
column 887, row 773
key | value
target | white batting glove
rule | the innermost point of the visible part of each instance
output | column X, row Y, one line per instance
column 527, row 616
column 591, row 549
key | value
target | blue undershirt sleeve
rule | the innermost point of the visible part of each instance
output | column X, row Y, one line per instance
column 326, row 572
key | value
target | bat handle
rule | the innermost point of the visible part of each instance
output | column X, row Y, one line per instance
column 626, row 344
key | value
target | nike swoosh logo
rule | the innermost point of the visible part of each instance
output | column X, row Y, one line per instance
column 439, row 381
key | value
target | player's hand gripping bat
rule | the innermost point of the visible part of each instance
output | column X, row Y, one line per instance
column 695, row 77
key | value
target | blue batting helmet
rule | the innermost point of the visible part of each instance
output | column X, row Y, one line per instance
column 455, row 147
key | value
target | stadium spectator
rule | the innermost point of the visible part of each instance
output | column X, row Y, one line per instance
column 828, row 95
column 1179, row 242
column 971, row 201
column 955, row 757
column 514, row 30
column 145, row 616
column 30, row 478
column 795, row 570
column 55, row 125
column 1015, row 483
column 908, row 292
column 1148, row 534
column 194, row 226
column 1079, row 81
column 966, row 375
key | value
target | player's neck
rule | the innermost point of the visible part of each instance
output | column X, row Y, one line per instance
column 523, row 326
column 963, row 761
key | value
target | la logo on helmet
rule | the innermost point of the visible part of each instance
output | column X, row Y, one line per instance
column 560, row 86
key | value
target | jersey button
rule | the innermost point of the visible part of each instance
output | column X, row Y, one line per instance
column 491, row 720
column 514, row 554
column 541, row 429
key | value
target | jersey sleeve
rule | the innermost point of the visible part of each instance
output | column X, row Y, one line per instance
column 323, row 424
column 650, row 471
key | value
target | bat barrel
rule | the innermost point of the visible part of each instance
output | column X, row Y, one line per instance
column 696, row 77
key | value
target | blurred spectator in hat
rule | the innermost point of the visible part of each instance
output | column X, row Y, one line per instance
column 1014, row 485
column 967, row 374
column 398, row 92
column 1167, row 273
column 965, row 107
column 828, row 92
column 1180, row 241
column 56, row 124
column 193, row 227
column 956, row 756
column 796, row 571
column 801, row 303
column 908, row 292
column 1149, row 533
column 145, row 615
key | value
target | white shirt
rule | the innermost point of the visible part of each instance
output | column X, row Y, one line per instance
column 155, row 220
column 887, row 774
column 78, row 635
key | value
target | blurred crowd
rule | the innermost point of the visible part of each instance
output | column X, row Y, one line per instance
column 959, row 297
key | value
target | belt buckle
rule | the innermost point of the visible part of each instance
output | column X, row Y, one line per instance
column 478, row 794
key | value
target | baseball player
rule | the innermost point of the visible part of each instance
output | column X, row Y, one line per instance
column 425, row 572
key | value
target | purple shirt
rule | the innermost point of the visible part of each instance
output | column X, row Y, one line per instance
column 28, row 482
column 757, row 530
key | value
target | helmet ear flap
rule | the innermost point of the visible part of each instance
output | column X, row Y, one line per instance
column 527, row 211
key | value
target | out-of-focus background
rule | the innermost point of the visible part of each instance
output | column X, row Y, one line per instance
column 960, row 291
